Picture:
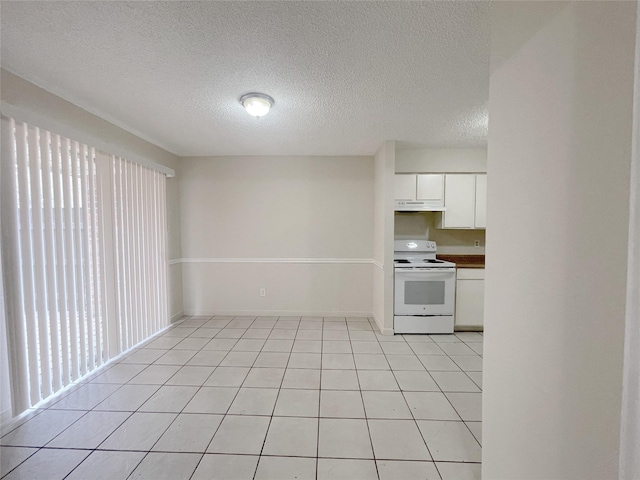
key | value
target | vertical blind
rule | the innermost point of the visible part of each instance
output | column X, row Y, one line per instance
column 84, row 258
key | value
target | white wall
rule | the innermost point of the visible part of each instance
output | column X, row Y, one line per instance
column 630, row 415
column 559, row 155
column 383, row 237
column 175, row 247
column 300, row 227
column 5, row 387
column 441, row 160
column 52, row 112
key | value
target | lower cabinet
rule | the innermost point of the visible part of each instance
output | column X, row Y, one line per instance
column 469, row 299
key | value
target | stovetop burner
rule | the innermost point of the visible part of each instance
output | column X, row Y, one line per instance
column 417, row 254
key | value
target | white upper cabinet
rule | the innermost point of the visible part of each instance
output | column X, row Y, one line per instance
column 463, row 197
column 430, row 188
column 459, row 201
column 465, row 201
column 421, row 191
column 481, row 201
column 405, row 188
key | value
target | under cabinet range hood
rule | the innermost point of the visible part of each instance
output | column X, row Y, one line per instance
column 417, row 206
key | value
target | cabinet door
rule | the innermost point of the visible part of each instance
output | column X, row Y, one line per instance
column 405, row 188
column 481, row 201
column 459, row 201
column 430, row 188
column 469, row 303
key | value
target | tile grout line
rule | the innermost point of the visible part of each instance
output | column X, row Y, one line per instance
column 364, row 408
column 254, row 454
column 415, row 421
column 453, row 406
column 449, row 400
column 224, row 415
column 442, row 392
column 320, row 398
column 437, row 384
column 127, row 418
column 175, row 418
column 264, row 442
column 252, row 367
column 235, row 396
column 37, row 449
column 198, row 389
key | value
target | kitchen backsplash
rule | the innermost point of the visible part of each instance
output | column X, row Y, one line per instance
column 421, row 225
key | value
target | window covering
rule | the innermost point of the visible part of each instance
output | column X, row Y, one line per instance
column 84, row 258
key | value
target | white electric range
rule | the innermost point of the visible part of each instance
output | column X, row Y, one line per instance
column 425, row 289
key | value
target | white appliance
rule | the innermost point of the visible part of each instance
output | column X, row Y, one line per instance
column 425, row 289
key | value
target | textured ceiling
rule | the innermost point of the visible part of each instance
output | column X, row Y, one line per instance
column 344, row 75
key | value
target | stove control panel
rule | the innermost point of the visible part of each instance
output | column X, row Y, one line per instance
column 414, row 246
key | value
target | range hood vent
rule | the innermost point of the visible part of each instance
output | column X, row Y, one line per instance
column 417, row 206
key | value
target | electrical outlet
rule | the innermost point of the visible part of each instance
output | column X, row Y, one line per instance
column 263, row 292
column 476, row 243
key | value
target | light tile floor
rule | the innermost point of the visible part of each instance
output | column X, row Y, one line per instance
column 265, row 398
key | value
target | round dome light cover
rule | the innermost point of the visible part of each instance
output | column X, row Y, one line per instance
column 257, row 104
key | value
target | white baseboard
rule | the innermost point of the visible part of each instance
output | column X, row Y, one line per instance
column 375, row 318
column 383, row 331
column 5, row 415
column 282, row 313
column 357, row 261
column 469, row 328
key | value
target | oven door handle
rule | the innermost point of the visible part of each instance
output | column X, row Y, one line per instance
column 425, row 269
column 432, row 276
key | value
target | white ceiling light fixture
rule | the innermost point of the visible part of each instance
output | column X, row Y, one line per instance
column 257, row 104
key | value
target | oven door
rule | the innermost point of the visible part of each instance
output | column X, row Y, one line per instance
column 424, row 291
